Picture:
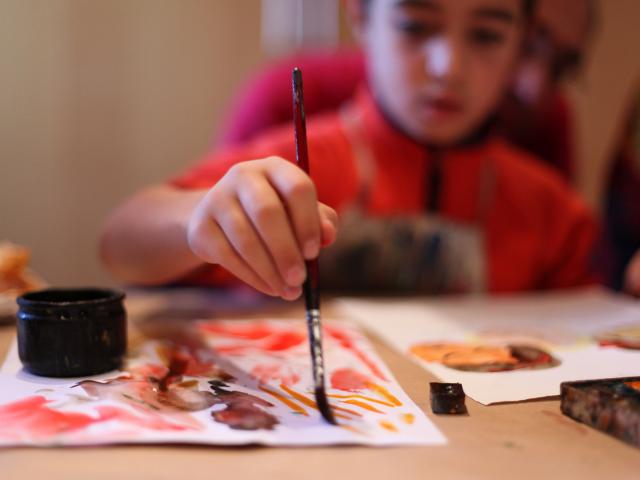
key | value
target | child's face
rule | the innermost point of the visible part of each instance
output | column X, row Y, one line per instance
column 440, row 67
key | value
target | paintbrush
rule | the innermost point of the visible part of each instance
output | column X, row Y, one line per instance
column 310, row 286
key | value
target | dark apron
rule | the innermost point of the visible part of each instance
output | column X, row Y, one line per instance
column 424, row 253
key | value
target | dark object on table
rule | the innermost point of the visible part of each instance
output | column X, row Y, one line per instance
column 611, row 405
column 447, row 398
column 71, row 333
column 310, row 287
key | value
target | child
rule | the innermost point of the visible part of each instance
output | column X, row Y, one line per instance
column 413, row 153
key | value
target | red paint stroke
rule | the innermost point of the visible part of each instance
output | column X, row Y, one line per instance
column 270, row 373
column 621, row 343
column 243, row 410
column 349, row 380
column 347, row 343
column 153, row 422
column 277, row 342
column 255, row 336
column 31, row 416
column 254, row 331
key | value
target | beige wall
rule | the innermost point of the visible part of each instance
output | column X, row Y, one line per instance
column 98, row 98
column 602, row 95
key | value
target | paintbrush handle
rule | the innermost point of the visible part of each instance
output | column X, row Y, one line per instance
column 310, row 285
column 299, row 123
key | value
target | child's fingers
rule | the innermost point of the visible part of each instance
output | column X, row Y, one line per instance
column 632, row 276
column 243, row 237
column 208, row 241
column 328, row 224
column 264, row 208
column 299, row 196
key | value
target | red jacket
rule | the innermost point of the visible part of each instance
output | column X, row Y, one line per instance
column 538, row 233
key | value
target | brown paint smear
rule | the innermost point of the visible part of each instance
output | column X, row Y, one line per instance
column 243, row 410
column 145, row 387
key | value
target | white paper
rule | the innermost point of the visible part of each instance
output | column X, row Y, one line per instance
column 563, row 324
column 263, row 356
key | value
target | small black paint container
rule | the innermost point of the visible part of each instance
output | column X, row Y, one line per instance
column 71, row 332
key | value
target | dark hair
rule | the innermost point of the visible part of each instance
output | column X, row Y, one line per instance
column 528, row 6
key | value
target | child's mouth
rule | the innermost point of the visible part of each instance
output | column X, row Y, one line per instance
column 442, row 108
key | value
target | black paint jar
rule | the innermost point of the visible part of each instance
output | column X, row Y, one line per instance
column 71, row 332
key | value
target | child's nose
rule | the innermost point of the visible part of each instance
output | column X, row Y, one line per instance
column 444, row 59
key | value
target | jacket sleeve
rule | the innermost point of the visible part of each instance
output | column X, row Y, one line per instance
column 572, row 231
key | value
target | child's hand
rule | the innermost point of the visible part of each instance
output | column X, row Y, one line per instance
column 260, row 222
column 632, row 275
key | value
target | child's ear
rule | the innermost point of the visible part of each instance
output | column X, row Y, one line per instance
column 358, row 14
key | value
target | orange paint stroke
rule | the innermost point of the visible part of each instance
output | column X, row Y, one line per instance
column 361, row 404
column 362, row 397
column 188, row 384
column 385, row 393
column 289, row 403
column 349, row 380
column 347, row 343
column 346, row 410
column 310, row 403
column 353, row 429
column 298, row 396
column 408, row 418
column 387, row 425
column 635, row 385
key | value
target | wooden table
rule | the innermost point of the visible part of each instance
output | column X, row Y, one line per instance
column 519, row 440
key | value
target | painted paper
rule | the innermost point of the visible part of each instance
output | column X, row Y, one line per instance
column 223, row 383
column 511, row 348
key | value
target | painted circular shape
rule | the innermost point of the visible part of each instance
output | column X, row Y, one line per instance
column 485, row 358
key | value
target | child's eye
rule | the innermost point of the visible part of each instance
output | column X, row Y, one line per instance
column 415, row 29
column 485, row 37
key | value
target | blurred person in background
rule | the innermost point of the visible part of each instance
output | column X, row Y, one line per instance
column 622, row 209
column 536, row 115
column 431, row 199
